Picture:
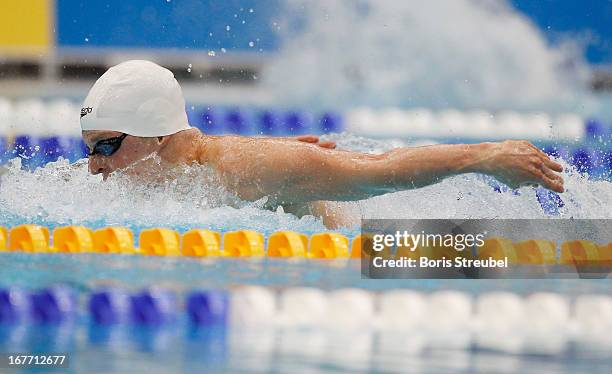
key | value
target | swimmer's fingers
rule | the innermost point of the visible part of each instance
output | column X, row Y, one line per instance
column 549, row 163
column 328, row 145
column 554, row 183
column 546, row 158
column 313, row 139
column 308, row 138
column 538, row 150
column 553, row 180
column 551, row 174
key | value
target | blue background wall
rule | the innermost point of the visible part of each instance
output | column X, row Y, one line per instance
column 188, row 23
column 558, row 17
column 161, row 24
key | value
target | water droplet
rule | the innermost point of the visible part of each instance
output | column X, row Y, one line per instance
column 251, row 44
column 189, row 68
column 212, row 53
column 86, row 39
column 228, row 28
column 251, row 10
column 223, row 50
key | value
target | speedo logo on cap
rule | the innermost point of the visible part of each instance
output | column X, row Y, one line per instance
column 86, row 111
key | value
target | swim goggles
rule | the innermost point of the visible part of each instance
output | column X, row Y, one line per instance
column 107, row 147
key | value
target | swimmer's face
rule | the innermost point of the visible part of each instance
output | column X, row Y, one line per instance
column 132, row 149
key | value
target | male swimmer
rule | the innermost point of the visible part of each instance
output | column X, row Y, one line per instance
column 136, row 109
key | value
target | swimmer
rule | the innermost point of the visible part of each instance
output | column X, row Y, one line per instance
column 136, row 109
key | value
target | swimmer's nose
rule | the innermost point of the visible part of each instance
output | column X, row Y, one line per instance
column 96, row 167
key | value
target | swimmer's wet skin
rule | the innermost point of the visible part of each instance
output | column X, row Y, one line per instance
column 144, row 101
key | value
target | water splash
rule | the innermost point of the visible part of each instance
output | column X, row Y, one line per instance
column 64, row 194
column 61, row 193
column 435, row 54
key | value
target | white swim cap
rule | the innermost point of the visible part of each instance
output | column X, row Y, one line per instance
column 138, row 98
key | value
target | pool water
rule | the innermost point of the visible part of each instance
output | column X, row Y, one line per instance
column 179, row 346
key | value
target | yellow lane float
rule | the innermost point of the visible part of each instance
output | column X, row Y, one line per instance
column 73, row 239
column 3, row 238
column 159, row 242
column 201, row 243
column 536, row 252
column 243, row 243
column 114, row 240
column 581, row 252
column 328, row 245
column 287, row 244
column 498, row 248
column 29, row 238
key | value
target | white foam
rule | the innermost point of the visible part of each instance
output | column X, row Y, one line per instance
column 407, row 54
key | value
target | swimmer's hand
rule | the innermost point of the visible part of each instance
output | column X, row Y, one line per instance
column 518, row 162
column 313, row 139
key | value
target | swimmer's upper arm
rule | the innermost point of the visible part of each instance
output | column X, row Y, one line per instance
column 292, row 171
column 312, row 173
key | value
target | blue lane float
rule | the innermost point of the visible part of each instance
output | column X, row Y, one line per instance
column 596, row 130
column 207, row 307
column 54, row 305
column 209, row 121
column 269, row 123
column 237, row 122
column 331, row 123
column 298, row 123
column 14, row 306
column 110, row 306
column 153, row 307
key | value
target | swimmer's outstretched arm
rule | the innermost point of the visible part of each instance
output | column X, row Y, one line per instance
column 299, row 172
